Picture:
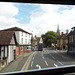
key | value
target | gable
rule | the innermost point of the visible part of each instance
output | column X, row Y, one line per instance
column 6, row 37
column 12, row 41
column 41, row 41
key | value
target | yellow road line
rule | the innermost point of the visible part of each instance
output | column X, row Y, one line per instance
column 26, row 65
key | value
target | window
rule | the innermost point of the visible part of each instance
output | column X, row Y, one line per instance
column 25, row 41
column 22, row 48
column 74, row 38
column 25, row 34
column 29, row 35
column 22, row 33
column 22, row 40
column 70, row 39
column 29, row 41
column 17, row 48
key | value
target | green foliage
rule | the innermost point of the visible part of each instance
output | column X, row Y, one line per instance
column 49, row 37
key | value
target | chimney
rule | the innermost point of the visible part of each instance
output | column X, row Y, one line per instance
column 61, row 33
column 35, row 35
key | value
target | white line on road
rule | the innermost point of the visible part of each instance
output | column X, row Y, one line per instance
column 52, row 57
column 59, row 62
column 32, row 64
column 43, row 57
column 46, row 62
column 55, row 65
column 56, row 60
column 26, row 65
column 33, row 58
column 38, row 66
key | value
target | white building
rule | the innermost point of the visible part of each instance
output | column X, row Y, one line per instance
column 8, row 44
column 23, row 39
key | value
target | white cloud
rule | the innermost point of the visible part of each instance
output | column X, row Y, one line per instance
column 7, row 13
column 8, row 9
column 51, row 16
column 40, row 21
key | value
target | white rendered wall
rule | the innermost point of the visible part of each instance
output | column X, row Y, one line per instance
column 25, row 37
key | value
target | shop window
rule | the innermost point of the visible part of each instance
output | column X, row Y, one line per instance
column 17, row 49
column 27, row 48
column 22, row 48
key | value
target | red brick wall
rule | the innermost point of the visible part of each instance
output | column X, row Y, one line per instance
column 21, row 49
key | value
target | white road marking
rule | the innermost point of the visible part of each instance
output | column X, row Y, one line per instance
column 43, row 57
column 52, row 57
column 33, row 58
column 38, row 66
column 46, row 62
column 32, row 64
column 56, row 60
column 59, row 62
column 55, row 65
column 55, row 51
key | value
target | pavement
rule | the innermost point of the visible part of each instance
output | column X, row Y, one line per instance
column 17, row 64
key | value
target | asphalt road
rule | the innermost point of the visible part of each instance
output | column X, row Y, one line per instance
column 40, row 59
column 50, row 58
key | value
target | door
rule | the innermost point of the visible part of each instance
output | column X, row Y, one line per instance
column 14, row 54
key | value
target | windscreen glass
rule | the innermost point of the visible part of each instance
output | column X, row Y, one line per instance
column 36, row 36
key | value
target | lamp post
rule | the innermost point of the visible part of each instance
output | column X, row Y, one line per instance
column 31, row 40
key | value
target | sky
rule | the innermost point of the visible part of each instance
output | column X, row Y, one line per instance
column 37, row 18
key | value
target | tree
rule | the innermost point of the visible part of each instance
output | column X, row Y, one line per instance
column 49, row 38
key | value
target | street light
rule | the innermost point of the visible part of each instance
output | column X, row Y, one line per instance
column 31, row 39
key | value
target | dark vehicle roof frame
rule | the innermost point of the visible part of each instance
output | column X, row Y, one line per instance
column 47, row 71
column 68, row 2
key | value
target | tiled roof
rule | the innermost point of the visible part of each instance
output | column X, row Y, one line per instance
column 5, row 37
column 16, row 29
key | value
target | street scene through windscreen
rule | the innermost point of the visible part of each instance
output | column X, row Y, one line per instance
column 36, row 36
